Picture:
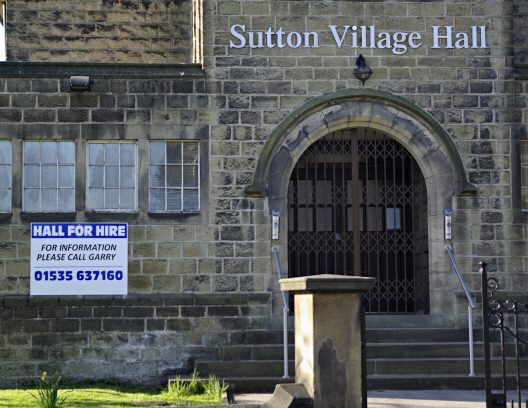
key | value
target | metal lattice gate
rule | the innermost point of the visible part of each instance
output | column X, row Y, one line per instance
column 358, row 206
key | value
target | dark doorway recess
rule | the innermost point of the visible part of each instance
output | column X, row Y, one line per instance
column 357, row 205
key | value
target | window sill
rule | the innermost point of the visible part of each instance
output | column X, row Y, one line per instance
column 110, row 215
column 48, row 216
column 4, row 216
column 168, row 214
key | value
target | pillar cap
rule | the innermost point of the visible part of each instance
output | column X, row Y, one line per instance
column 327, row 283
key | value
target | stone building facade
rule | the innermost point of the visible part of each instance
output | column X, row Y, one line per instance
column 202, row 277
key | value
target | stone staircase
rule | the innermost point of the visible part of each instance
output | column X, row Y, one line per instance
column 397, row 358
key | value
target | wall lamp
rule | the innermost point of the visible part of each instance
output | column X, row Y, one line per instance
column 80, row 83
column 363, row 71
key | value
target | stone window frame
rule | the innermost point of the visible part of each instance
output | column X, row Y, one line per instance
column 87, row 165
column 182, row 186
column 3, row 38
column 142, row 215
column 58, row 209
column 9, row 164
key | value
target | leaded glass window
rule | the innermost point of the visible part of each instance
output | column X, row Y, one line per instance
column 112, row 176
column 5, row 176
column 49, row 177
column 174, row 176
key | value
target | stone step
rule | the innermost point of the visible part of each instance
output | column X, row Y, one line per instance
column 436, row 382
column 257, row 337
column 261, row 352
column 396, row 358
column 377, row 335
column 385, row 382
column 256, row 384
column 444, row 366
column 379, row 366
column 394, row 367
column 243, row 368
column 374, row 351
column 418, row 335
column 421, row 350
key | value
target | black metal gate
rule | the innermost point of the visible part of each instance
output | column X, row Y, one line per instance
column 358, row 206
column 504, row 316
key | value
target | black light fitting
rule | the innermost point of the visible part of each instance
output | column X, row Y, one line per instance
column 363, row 71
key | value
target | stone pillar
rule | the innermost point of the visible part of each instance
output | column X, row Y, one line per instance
column 328, row 337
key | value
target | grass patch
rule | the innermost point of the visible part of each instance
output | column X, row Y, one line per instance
column 106, row 396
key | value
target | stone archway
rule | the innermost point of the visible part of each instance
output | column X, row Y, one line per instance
column 424, row 138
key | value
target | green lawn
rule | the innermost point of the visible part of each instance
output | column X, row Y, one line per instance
column 103, row 397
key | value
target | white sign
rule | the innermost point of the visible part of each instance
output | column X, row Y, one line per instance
column 79, row 259
column 362, row 37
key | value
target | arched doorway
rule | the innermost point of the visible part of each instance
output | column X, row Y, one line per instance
column 357, row 205
column 407, row 124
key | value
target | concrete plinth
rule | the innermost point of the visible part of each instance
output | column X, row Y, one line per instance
column 328, row 337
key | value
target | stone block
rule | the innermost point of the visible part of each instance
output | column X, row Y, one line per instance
column 192, row 311
column 201, row 283
column 247, row 283
column 144, row 250
column 73, row 115
column 166, row 283
column 140, row 283
column 225, row 283
column 155, row 266
column 108, row 115
column 178, row 325
column 222, row 311
column 169, row 250
column 138, row 311
column 10, row 115
column 184, row 233
column 123, row 325
column 182, row 266
column 80, row 100
column 65, row 325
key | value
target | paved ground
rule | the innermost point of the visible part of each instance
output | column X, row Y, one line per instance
column 404, row 399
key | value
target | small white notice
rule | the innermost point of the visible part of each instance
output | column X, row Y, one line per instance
column 79, row 259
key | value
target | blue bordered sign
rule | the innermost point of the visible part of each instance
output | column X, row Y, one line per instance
column 79, row 259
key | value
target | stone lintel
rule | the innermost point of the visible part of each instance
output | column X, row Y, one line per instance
column 327, row 283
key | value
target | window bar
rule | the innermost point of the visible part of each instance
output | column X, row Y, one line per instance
column 297, row 219
column 316, row 176
column 344, row 232
column 374, row 232
column 356, row 205
column 57, row 187
column 182, row 166
column 404, row 233
column 384, row 231
column 334, row 207
column 104, row 175
column 165, row 181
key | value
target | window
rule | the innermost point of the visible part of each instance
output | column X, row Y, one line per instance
column 112, row 176
column 5, row 176
column 174, row 176
column 49, row 176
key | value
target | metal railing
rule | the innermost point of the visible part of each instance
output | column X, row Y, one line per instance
column 285, row 310
column 471, row 306
column 498, row 314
